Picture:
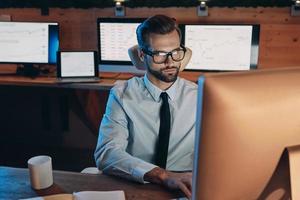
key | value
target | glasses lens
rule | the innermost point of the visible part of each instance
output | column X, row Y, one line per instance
column 160, row 57
column 178, row 55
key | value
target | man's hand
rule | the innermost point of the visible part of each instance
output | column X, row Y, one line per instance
column 171, row 180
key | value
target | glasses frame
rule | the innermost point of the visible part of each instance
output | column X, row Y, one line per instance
column 152, row 54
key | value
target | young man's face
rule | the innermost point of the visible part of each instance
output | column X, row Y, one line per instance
column 169, row 69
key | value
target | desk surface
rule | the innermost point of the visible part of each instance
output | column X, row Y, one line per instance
column 106, row 82
column 15, row 184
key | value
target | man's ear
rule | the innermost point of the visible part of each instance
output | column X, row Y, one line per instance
column 141, row 54
column 137, row 57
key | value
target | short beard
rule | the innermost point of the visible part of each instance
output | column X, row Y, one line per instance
column 163, row 77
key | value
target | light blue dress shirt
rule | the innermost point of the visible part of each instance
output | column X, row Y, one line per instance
column 129, row 128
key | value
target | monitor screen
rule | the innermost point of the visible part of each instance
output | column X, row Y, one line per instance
column 28, row 42
column 222, row 47
column 77, row 64
column 245, row 121
column 115, row 37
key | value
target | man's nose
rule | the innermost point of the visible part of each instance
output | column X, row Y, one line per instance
column 169, row 61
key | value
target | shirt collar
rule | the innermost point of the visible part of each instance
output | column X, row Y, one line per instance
column 155, row 91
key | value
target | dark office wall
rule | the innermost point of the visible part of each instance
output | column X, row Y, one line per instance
column 138, row 3
column 279, row 44
column 279, row 36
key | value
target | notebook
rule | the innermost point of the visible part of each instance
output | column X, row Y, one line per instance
column 77, row 66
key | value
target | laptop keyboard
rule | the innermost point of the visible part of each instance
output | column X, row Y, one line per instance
column 78, row 80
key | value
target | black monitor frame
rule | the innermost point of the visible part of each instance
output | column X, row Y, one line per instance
column 114, row 20
column 254, row 44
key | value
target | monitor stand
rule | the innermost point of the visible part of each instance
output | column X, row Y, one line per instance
column 294, row 162
column 284, row 183
column 28, row 70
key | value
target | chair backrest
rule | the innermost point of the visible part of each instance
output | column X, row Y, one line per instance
column 136, row 61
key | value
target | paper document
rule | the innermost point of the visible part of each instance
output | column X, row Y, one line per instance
column 85, row 195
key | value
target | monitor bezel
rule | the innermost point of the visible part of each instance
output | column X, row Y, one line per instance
column 50, row 23
column 114, row 20
column 254, row 45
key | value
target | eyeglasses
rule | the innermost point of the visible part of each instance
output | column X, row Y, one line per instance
column 160, row 57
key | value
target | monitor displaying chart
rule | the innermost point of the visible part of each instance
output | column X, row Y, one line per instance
column 115, row 37
column 222, row 47
column 28, row 42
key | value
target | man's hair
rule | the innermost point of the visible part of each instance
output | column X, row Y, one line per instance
column 158, row 24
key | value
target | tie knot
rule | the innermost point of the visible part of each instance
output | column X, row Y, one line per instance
column 164, row 96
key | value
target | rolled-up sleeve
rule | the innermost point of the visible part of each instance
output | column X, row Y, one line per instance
column 110, row 154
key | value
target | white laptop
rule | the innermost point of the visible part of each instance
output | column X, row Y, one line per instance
column 77, row 66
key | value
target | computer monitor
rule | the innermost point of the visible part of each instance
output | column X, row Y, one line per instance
column 245, row 120
column 221, row 47
column 28, row 42
column 115, row 37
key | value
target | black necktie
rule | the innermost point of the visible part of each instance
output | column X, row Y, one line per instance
column 164, row 132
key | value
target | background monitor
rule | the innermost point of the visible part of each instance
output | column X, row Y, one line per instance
column 222, row 47
column 245, row 120
column 115, row 37
column 28, row 42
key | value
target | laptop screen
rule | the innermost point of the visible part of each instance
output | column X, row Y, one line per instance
column 115, row 37
column 77, row 64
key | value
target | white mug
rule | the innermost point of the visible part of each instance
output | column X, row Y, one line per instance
column 40, row 172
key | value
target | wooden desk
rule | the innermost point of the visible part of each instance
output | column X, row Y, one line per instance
column 15, row 184
column 107, row 80
column 103, row 84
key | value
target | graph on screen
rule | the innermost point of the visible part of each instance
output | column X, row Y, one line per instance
column 116, row 39
column 221, row 47
column 24, row 42
column 116, row 36
column 75, row 64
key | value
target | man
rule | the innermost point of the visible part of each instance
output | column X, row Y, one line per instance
column 129, row 143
